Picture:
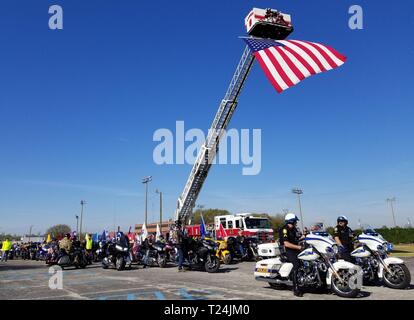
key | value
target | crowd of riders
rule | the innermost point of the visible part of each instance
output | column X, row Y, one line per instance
column 183, row 249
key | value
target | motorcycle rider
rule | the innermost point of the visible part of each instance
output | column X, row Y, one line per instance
column 289, row 237
column 66, row 244
column 178, row 237
column 240, row 241
column 344, row 237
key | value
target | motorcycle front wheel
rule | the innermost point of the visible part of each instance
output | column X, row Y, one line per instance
column 399, row 278
column 343, row 289
column 227, row 258
column 162, row 261
column 212, row 264
column 120, row 263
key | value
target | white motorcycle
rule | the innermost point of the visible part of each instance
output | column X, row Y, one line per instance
column 318, row 268
column 372, row 257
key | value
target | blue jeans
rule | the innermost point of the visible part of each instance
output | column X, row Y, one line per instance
column 241, row 248
column 180, row 258
column 4, row 255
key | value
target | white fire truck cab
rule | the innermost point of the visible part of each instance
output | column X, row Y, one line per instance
column 252, row 225
column 268, row 23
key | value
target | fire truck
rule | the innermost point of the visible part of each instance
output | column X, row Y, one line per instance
column 260, row 23
column 252, row 225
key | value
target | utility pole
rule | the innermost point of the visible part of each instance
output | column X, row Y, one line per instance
column 77, row 224
column 160, row 193
column 145, row 181
column 391, row 201
column 30, row 232
column 299, row 192
column 83, row 202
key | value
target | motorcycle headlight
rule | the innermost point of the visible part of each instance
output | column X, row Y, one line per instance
column 380, row 248
column 125, row 249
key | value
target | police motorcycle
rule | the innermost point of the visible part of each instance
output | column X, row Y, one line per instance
column 372, row 256
column 118, row 254
column 319, row 268
column 202, row 255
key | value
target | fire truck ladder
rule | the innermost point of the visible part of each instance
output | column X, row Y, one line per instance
column 208, row 151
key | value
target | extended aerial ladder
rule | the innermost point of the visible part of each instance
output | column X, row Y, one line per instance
column 259, row 23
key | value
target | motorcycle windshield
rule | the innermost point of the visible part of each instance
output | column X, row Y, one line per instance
column 368, row 230
column 319, row 230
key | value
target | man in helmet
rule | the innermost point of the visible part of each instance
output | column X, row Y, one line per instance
column 289, row 237
column 344, row 237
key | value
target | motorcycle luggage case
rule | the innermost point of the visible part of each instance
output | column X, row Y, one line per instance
column 268, row 250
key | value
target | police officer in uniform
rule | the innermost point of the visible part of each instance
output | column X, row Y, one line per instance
column 289, row 237
column 344, row 237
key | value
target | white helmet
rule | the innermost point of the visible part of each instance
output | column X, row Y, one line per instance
column 291, row 218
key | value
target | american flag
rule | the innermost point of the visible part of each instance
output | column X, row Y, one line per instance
column 287, row 62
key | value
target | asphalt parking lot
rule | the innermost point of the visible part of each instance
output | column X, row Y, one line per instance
column 30, row 280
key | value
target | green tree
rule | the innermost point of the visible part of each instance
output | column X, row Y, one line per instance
column 58, row 230
column 208, row 215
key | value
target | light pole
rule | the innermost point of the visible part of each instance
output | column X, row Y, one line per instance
column 30, row 232
column 145, row 181
column 160, row 193
column 391, row 201
column 299, row 192
column 77, row 223
column 83, row 202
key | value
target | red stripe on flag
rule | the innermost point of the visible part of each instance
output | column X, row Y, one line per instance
column 267, row 73
column 336, row 53
column 290, row 63
column 279, row 68
column 301, row 60
column 310, row 54
column 323, row 53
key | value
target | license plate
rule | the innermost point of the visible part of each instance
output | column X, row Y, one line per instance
column 262, row 270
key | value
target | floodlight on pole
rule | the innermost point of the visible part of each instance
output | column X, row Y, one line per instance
column 145, row 181
column 299, row 192
column 83, row 202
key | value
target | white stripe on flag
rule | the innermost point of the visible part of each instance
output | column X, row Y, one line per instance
column 291, row 75
column 297, row 63
column 318, row 55
column 273, row 70
column 337, row 61
column 303, row 54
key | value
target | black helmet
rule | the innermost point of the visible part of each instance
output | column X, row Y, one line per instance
column 342, row 219
column 67, row 235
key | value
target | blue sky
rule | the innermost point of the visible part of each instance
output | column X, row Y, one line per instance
column 79, row 106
